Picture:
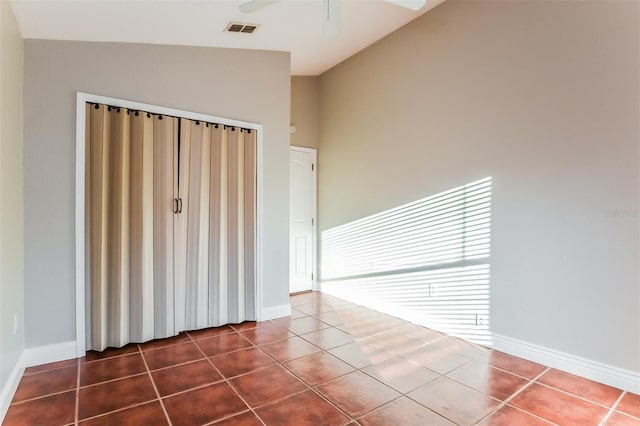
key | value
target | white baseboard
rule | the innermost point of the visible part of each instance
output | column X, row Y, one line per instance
column 30, row 357
column 273, row 312
column 50, row 353
column 613, row 376
column 9, row 388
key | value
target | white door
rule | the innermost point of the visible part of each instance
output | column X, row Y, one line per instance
column 302, row 214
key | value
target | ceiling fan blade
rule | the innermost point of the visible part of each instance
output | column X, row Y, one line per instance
column 331, row 12
column 255, row 5
column 409, row 4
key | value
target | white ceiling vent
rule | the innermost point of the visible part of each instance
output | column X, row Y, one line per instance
column 241, row 27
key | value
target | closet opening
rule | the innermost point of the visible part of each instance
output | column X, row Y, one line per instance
column 168, row 222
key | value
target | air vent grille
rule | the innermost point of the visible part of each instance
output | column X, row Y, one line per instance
column 240, row 27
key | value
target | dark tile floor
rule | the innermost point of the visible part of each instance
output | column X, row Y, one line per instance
column 330, row 363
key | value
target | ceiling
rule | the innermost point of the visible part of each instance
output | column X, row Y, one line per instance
column 289, row 25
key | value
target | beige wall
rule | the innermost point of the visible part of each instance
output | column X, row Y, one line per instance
column 11, row 236
column 305, row 111
column 220, row 82
column 542, row 96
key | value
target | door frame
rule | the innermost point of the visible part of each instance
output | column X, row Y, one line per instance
column 314, row 226
column 81, row 100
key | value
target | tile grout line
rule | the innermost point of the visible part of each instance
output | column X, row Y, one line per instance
column 406, row 395
column 113, row 380
column 326, row 351
column 43, row 396
column 401, row 394
column 49, row 369
column 510, row 372
column 109, row 357
column 542, row 419
column 118, row 410
column 490, row 366
column 626, row 413
column 193, row 388
column 612, row 409
column 220, row 420
column 281, row 399
column 181, row 364
column 513, row 395
column 309, row 388
column 226, row 380
column 315, row 391
column 155, row 388
column 576, row 396
column 163, row 347
column 470, row 387
column 324, row 398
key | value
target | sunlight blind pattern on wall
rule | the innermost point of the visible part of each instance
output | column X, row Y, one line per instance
column 426, row 261
column 447, row 227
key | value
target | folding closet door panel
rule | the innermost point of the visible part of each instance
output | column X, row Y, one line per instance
column 202, row 220
column 180, row 222
column 119, row 226
column 232, row 230
column 219, row 216
column 141, row 300
column 250, row 193
column 235, row 214
column 218, row 256
column 87, row 223
column 96, row 221
column 165, row 136
column 108, row 156
column 197, row 216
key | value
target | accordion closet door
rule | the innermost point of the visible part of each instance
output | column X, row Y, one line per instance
column 170, row 225
column 216, row 227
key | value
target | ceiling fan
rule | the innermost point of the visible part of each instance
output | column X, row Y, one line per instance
column 330, row 11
